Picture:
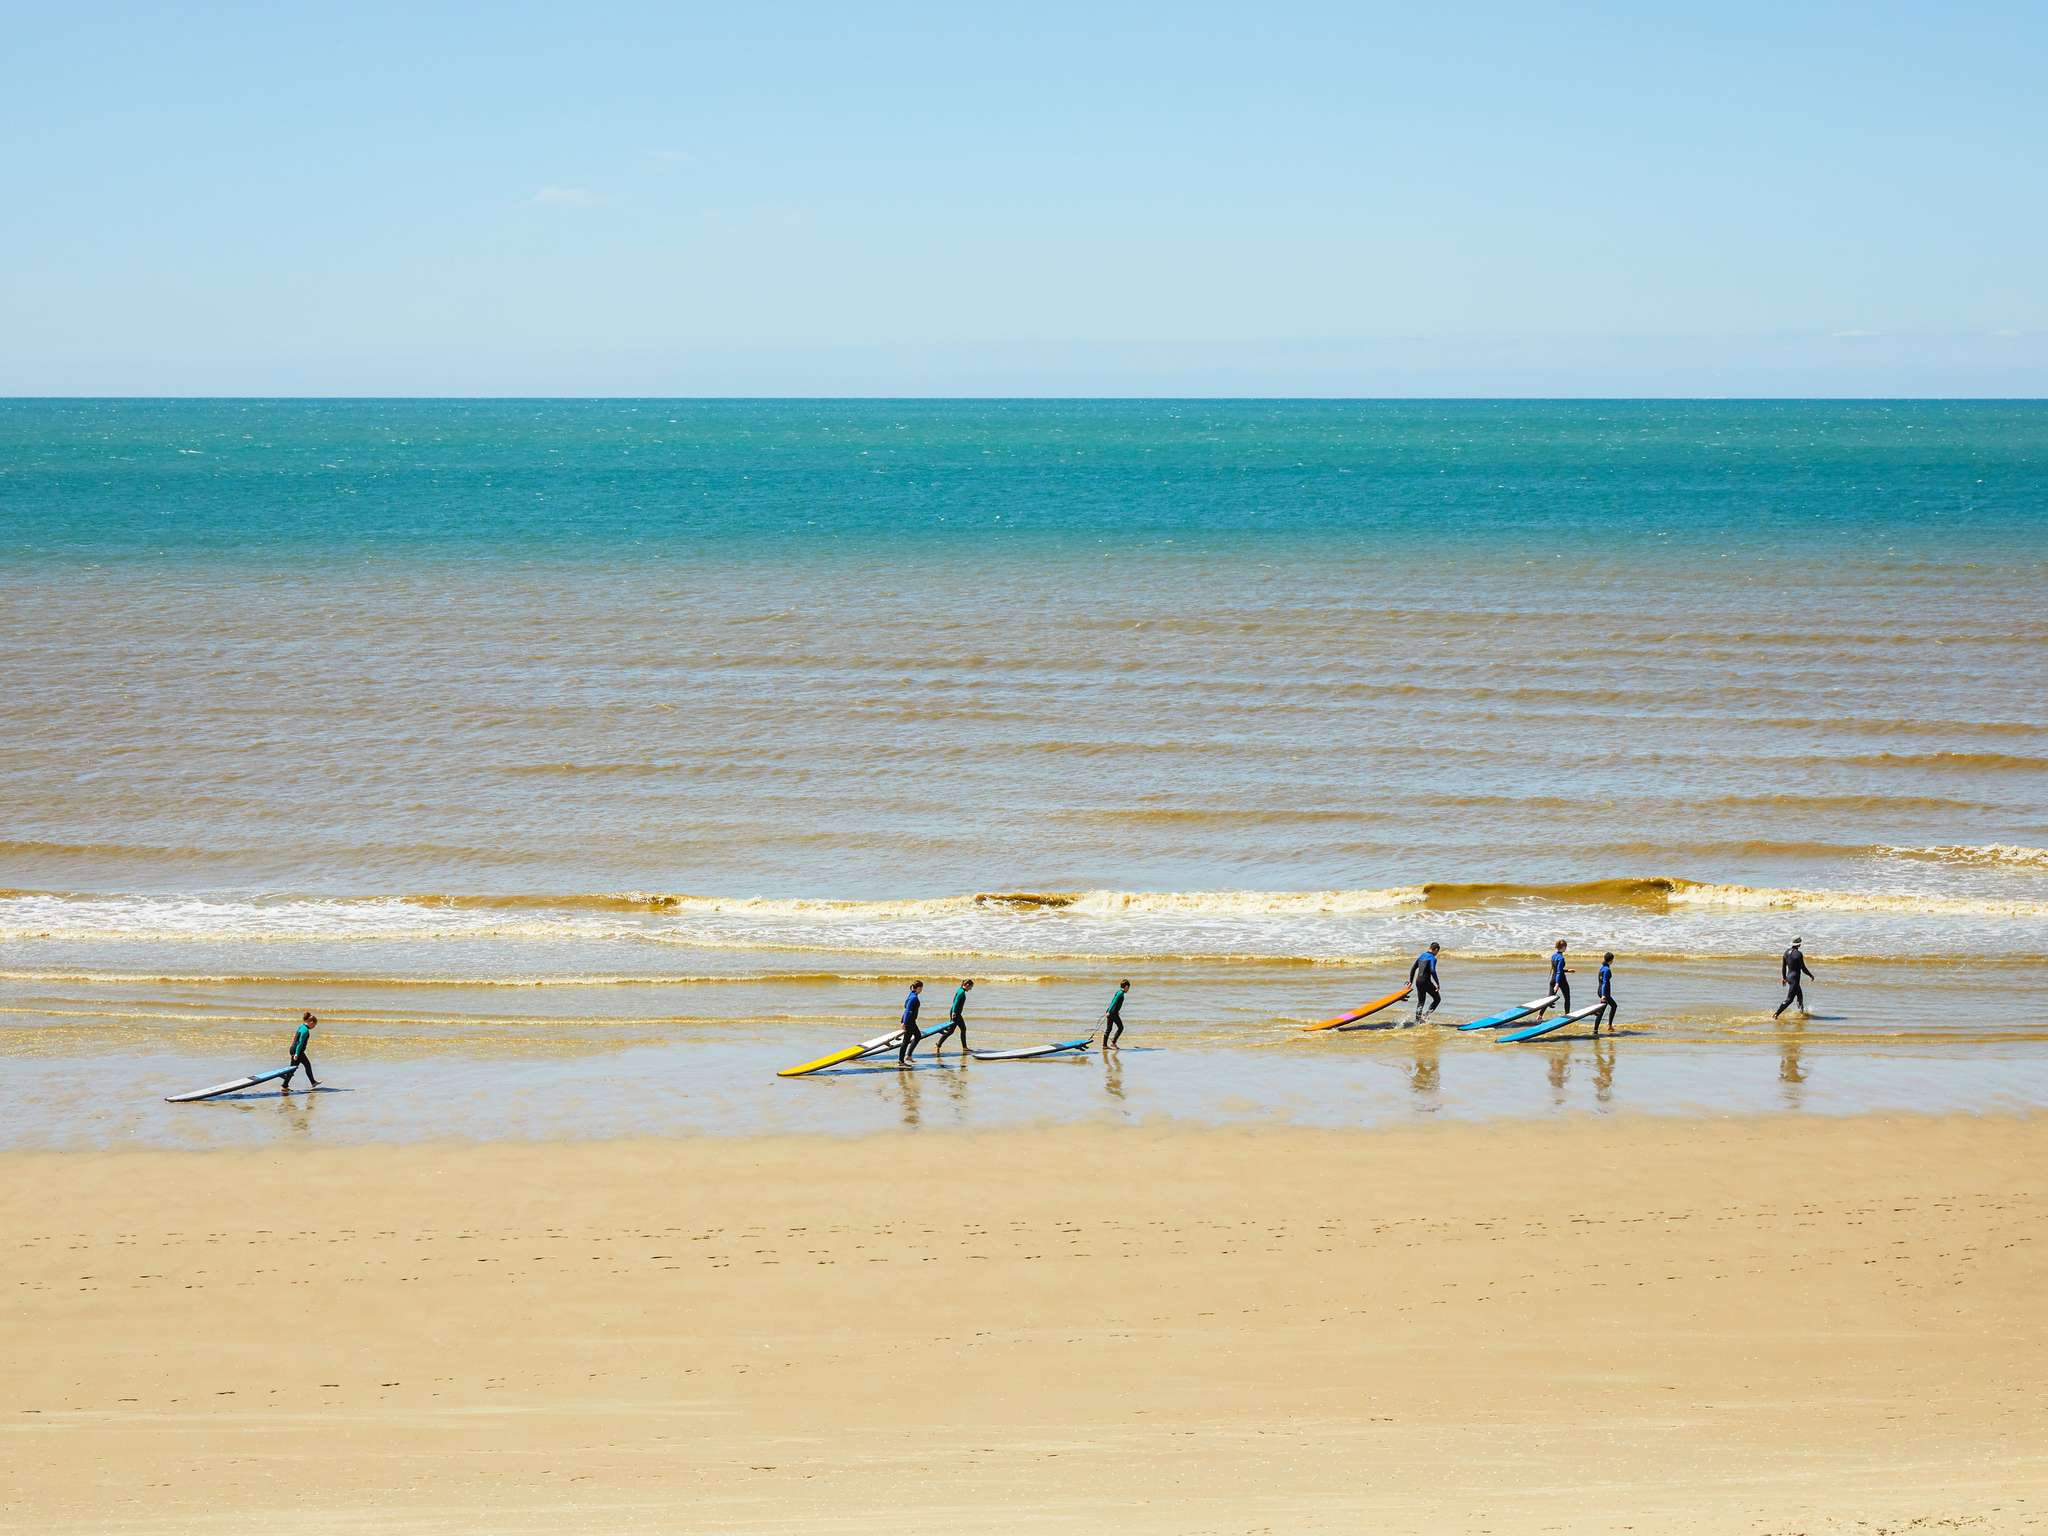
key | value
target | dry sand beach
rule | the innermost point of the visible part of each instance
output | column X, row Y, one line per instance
column 1731, row 1325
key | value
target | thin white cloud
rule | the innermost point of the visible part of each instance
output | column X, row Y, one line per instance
column 563, row 197
column 2007, row 334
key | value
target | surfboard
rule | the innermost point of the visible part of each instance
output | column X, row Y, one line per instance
column 220, row 1088
column 850, row 1053
column 1029, row 1051
column 1356, row 1014
column 1543, row 1027
column 1509, row 1015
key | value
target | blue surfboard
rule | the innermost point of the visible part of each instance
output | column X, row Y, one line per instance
column 1509, row 1015
column 1538, row 1030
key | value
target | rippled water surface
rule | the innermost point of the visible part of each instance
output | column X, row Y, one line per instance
column 352, row 703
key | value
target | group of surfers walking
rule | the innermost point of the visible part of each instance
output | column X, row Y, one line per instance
column 1423, row 982
column 956, row 1021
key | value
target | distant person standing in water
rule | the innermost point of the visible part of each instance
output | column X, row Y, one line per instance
column 1792, row 970
column 301, row 1038
column 1605, row 994
column 956, row 1020
column 1422, row 977
column 1113, row 1018
column 910, row 1032
column 1558, row 972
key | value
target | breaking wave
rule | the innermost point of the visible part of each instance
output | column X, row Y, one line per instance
column 2002, row 855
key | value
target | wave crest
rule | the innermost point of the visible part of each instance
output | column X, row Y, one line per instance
column 2009, row 855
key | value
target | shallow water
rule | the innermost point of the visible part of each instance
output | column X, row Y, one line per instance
column 732, row 716
column 87, row 1065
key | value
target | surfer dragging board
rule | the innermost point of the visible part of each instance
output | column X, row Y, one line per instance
column 1113, row 1017
column 301, row 1037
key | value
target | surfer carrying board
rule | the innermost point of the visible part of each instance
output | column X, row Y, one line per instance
column 1422, row 977
column 910, row 1031
column 956, row 1020
column 1113, row 1017
column 1605, row 993
column 1558, row 972
column 301, row 1038
column 1792, row 969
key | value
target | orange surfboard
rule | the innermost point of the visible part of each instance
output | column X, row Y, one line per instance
column 1359, row 1013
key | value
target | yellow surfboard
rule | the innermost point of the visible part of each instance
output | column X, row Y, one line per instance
column 1359, row 1013
column 851, row 1053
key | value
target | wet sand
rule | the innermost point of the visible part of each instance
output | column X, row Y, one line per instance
column 1769, row 1324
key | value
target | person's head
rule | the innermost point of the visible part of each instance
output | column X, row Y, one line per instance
column 1560, row 943
column 308, row 1020
column 1123, row 986
column 1797, row 942
column 917, row 986
column 1608, row 958
column 967, row 984
column 1435, row 948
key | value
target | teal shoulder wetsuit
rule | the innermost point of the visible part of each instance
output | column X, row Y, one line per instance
column 1113, row 1018
column 299, row 1058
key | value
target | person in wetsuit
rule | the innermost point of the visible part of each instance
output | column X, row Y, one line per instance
column 301, row 1038
column 1605, row 994
column 1558, row 984
column 1113, row 1018
column 1422, row 978
column 956, row 1020
column 1792, row 970
column 911, row 1036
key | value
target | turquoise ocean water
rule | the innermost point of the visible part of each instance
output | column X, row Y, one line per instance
column 726, row 716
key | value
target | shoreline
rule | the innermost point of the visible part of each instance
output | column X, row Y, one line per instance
column 89, row 1066
column 1765, row 1323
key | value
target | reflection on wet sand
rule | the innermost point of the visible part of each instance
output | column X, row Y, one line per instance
column 1113, row 1074
column 1425, row 1074
column 1791, row 1062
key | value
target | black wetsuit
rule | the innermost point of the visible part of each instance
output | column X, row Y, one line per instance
column 1793, row 969
column 1422, row 977
column 910, row 1031
column 299, row 1058
column 1558, row 983
column 1113, row 1019
column 1606, row 995
column 955, row 1020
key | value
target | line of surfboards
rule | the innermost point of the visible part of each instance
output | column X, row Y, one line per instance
column 1506, row 1016
column 894, row 1038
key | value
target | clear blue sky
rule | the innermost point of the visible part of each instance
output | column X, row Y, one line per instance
column 645, row 198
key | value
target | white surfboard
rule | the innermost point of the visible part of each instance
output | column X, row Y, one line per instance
column 887, row 1042
column 236, row 1086
column 1029, row 1051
